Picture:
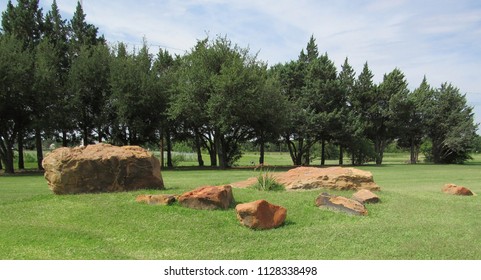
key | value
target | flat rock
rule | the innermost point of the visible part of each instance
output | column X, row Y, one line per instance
column 340, row 203
column 305, row 178
column 101, row 168
column 156, row 199
column 456, row 190
column 208, row 198
column 261, row 214
column 365, row 196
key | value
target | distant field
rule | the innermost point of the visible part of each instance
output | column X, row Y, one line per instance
column 414, row 221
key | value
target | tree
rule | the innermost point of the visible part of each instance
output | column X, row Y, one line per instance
column 300, row 131
column 89, row 84
column 81, row 32
column 383, row 126
column 350, row 129
column 25, row 22
column 324, row 95
column 451, row 126
column 214, row 100
column 268, row 121
column 361, row 101
column 413, row 119
column 56, row 32
column 15, row 77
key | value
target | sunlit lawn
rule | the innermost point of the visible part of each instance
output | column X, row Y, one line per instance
column 414, row 221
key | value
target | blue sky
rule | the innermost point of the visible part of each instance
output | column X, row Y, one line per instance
column 437, row 38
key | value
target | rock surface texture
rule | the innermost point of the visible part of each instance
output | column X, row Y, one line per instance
column 365, row 196
column 261, row 214
column 208, row 198
column 340, row 203
column 338, row 178
column 456, row 190
column 101, row 168
column 156, row 199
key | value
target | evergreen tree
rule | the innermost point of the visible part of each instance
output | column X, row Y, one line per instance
column 15, row 76
column 451, row 126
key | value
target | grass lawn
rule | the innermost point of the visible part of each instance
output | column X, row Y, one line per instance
column 415, row 220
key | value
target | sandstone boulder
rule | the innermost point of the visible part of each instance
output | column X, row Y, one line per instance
column 338, row 178
column 261, row 214
column 365, row 196
column 156, row 199
column 208, row 198
column 456, row 190
column 101, row 168
column 340, row 203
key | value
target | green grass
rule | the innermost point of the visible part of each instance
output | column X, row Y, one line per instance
column 415, row 220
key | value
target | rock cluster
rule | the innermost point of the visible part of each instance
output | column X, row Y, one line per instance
column 101, row 168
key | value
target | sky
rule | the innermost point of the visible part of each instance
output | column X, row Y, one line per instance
column 437, row 38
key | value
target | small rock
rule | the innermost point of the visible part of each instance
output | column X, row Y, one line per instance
column 208, row 198
column 261, row 214
column 156, row 199
column 365, row 196
column 456, row 190
column 340, row 203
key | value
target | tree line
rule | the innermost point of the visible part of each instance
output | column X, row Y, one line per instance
column 59, row 79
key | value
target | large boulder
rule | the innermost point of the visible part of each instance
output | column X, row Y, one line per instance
column 456, row 190
column 101, row 168
column 338, row 178
column 208, row 198
column 261, row 214
column 340, row 203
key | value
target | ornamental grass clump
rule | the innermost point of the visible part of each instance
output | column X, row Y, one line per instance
column 266, row 182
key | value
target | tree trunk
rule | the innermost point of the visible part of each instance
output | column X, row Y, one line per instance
column 198, row 147
column 323, row 152
column 21, row 162
column 413, row 152
column 38, row 145
column 1, row 166
column 64, row 138
column 161, row 147
column 220, row 147
column 85, row 137
column 378, row 149
column 341, row 155
column 8, row 159
column 169, row 149
column 261, row 152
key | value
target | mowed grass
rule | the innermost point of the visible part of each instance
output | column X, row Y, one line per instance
column 415, row 220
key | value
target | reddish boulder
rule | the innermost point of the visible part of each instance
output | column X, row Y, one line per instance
column 340, row 203
column 338, row 178
column 156, row 199
column 261, row 214
column 208, row 198
column 101, row 168
column 365, row 196
column 456, row 190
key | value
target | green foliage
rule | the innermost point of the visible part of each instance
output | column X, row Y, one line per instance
column 267, row 182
